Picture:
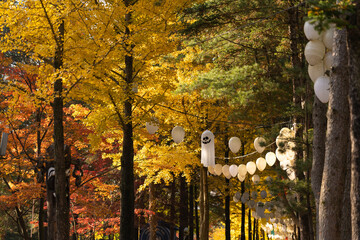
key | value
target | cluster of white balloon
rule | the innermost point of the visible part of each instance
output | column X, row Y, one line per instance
column 318, row 53
column 281, row 229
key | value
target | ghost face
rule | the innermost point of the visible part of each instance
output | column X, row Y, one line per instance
column 207, row 149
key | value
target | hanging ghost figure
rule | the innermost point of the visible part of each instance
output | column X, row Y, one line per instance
column 207, row 149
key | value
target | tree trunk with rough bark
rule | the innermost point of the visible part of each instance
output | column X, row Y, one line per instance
column 183, row 216
column 127, row 231
column 354, row 101
column 337, row 140
column 320, row 123
column 204, row 205
column 152, row 207
column 191, row 211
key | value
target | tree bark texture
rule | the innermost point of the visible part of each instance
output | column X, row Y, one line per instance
column 172, row 208
column 242, row 211
column 152, row 207
column 183, row 216
column 354, row 102
column 336, row 150
column 191, row 211
column 127, row 231
column 320, row 123
column 204, row 205
column 61, row 180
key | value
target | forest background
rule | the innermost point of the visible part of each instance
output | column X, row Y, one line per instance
column 83, row 80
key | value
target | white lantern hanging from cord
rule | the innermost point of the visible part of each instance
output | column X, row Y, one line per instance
column 322, row 88
column 207, row 148
column 254, row 195
column 218, row 169
column 211, row 169
column 281, row 142
column 234, row 144
column 310, row 32
column 314, row 52
column 242, row 170
column 263, row 194
column 245, row 197
column 178, row 134
column 280, row 155
column 233, row 169
column 225, row 170
column 241, row 177
column 152, row 126
column 261, row 164
column 328, row 37
column 316, row 71
column 251, row 167
column 255, row 179
column 328, row 60
column 259, row 144
column 270, row 158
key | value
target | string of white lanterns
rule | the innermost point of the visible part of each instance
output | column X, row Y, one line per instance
column 318, row 53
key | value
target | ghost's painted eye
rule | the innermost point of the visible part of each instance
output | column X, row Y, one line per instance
column 206, row 140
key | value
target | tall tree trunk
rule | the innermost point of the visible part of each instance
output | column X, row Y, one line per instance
column 127, row 231
column 183, row 216
column 61, row 180
column 249, row 224
column 242, row 212
column 320, row 122
column 346, row 202
column 227, row 197
column 354, row 101
column 172, row 209
column 152, row 207
column 197, row 215
column 337, row 140
column 204, row 204
column 191, row 211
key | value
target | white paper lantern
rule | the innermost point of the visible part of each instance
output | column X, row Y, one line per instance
column 245, row 197
column 235, row 199
column 285, row 165
column 270, row 158
column 152, row 126
column 251, row 203
column 328, row 60
column 228, row 176
column 242, row 169
column 316, row 71
column 237, row 195
column 255, row 179
column 259, row 143
column 207, row 148
column 290, row 155
column 253, row 195
column 225, row 170
column 178, row 134
column 251, row 167
column 261, row 164
column 280, row 155
column 322, row 88
column 234, row 144
column 211, row 169
column 328, row 38
column 310, row 32
column 291, row 174
column 218, row 169
column 233, row 169
column 281, row 142
column 263, row 194
column 241, row 177
column 314, row 52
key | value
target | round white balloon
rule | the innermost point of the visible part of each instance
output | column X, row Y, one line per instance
column 328, row 60
column 211, row 169
column 241, row 177
column 242, row 170
column 261, row 164
column 152, row 127
column 256, row 179
column 270, row 158
column 280, row 155
column 263, row 194
column 322, row 88
column 259, row 144
column 178, row 134
column 218, row 169
column 310, row 32
column 328, row 38
column 233, row 169
column 234, row 144
column 253, row 195
column 225, row 170
column 314, row 52
column 316, row 71
column 251, row 167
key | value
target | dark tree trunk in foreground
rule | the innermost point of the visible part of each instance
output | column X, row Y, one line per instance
column 61, row 180
column 354, row 100
column 191, row 211
column 204, row 205
column 337, row 140
column 152, row 207
column 127, row 231
column 183, row 215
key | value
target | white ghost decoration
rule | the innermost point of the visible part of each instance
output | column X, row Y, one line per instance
column 207, row 148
